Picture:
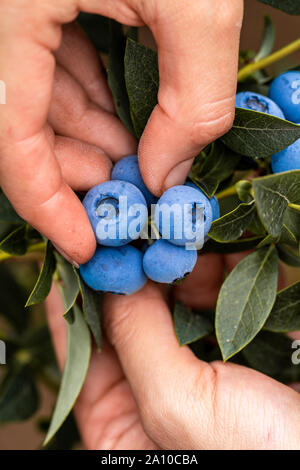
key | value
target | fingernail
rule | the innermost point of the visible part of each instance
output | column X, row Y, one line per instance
column 64, row 254
column 178, row 174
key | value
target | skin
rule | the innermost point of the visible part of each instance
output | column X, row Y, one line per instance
column 69, row 96
column 58, row 133
column 144, row 391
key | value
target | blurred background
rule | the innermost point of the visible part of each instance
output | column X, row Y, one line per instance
column 28, row 435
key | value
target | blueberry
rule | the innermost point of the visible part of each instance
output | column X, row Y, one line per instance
column 115, row 270
column 215, row 208
column 257, row 102
column 117, row 211
column 285, row 91
column 213, row 202
column 167, row 263
column 127, row 169
column 215, row 212
column 176, row 215
column 287, row 159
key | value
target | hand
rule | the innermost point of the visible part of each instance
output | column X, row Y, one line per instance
column 198, row 54
column 149, row 393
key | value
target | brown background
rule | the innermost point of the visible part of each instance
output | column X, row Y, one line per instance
column 25, row 436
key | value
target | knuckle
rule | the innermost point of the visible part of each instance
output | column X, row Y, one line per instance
column 213, row 127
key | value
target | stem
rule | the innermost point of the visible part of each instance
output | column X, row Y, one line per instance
column 37, row 247
column 226, row 193
column 275, row 57
column 294, row 206
column 155, row 229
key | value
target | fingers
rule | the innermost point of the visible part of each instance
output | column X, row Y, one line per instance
column 57, row 324
column 32, row 180
column 161, row 374
column 198, row 61
column 72, row 114
column 185, row 403
column 202, row 286
column 79, row 57
column 105, row 410
column 83, row 166
column 29, row 173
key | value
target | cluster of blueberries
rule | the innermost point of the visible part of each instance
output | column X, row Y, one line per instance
column 120, row 266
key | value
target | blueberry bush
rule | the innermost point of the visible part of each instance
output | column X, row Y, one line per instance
column 259, row 201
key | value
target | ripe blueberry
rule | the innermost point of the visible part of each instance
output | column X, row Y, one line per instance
column 177, row 215
column 257, row 102
column 214, row 205
column 167, row 263
column 215, row 208
column 115, row 270
column 117, row 211
column 287, row 159
column 127, row 169
column 285, row 91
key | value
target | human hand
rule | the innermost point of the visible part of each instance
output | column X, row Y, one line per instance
column 198, row 54
column 150, row 393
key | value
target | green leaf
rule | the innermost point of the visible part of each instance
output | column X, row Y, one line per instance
column 259, row 135
column 16, row 242
column 245, row 300
column 212, row 168
column 288, row 239
column 269, row 353
column 273, row 193
column 96, row 28
column 291, row 222
column 256, row 227
column 268, row 39
column 76, row 367
column 268, row 240
column 190, row 326
column 142, row 78
column 91, row 305
column 19, row 398
column 7, row 212
column 289, row 6
column 70, row 288
column 44, row 282
column 288, row 256
column 232, row 226
column 133, row 33
column 243, row 244
column 115, row 74
column 285, row 315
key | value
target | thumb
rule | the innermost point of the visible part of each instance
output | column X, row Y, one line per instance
column 198, row 59
column 162, row 375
